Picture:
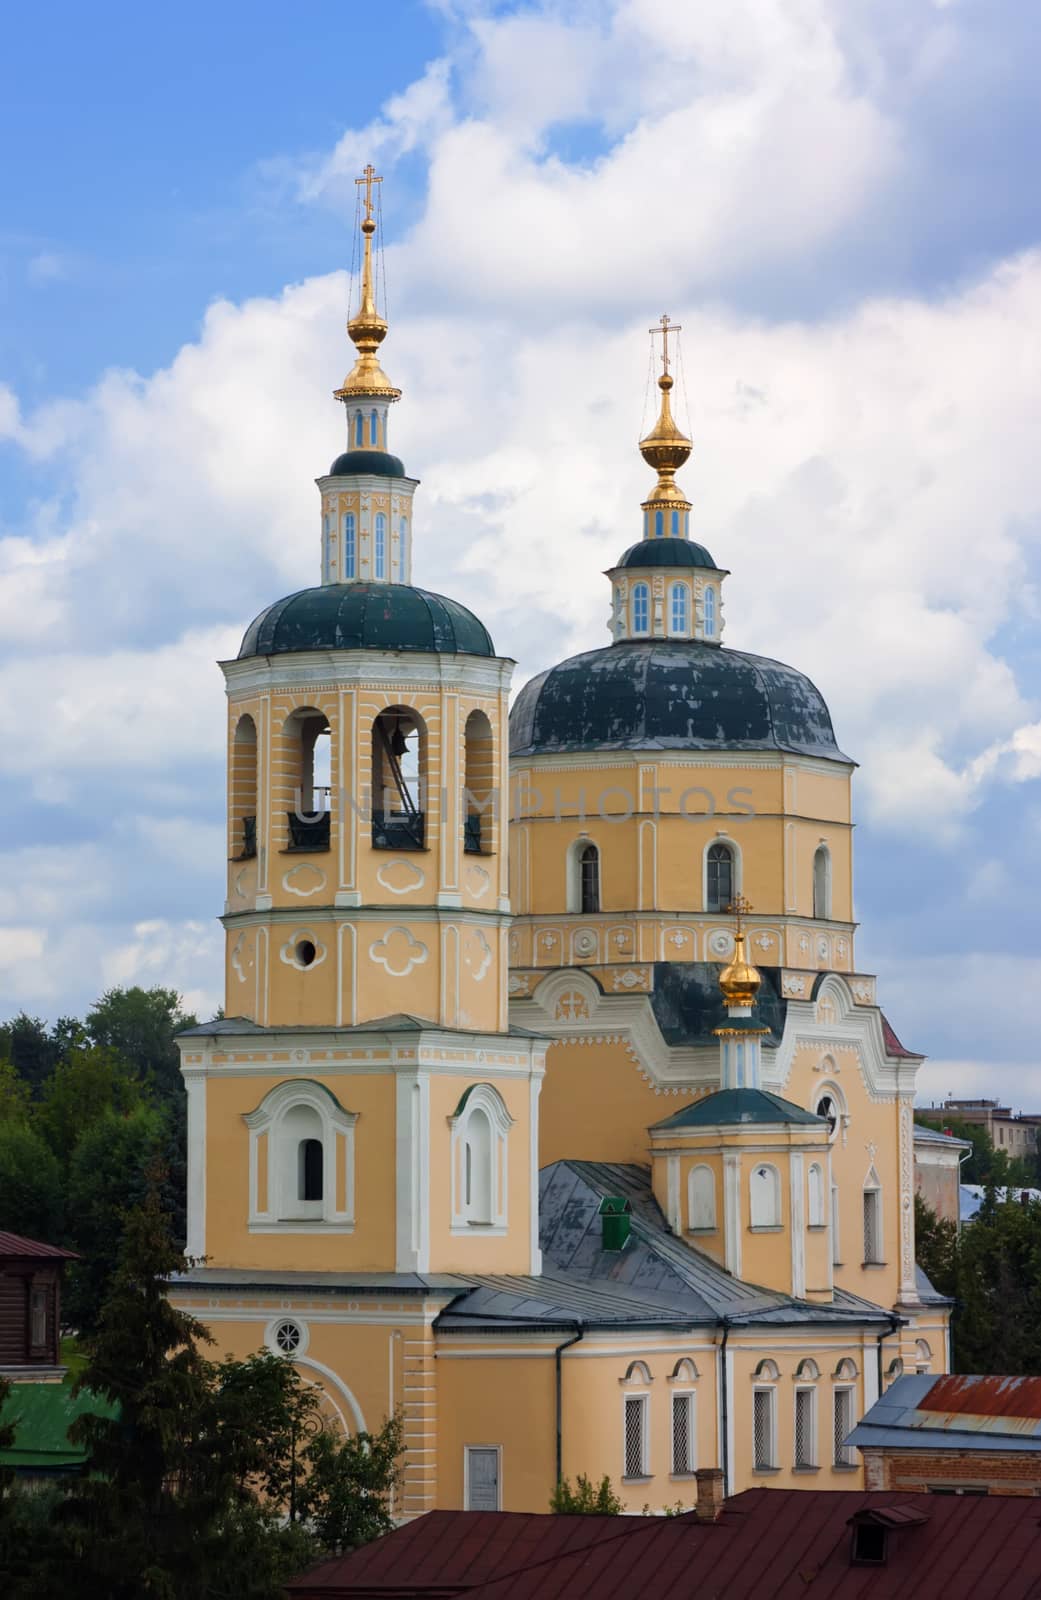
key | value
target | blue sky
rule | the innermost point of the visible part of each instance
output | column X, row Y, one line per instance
column 838, row 200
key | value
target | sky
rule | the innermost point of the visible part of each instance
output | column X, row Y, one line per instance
column 837, row 199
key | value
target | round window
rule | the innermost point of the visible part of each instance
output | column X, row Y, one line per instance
column 306, row 952
column 287, row 1338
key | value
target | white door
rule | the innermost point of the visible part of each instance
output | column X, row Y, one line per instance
column 482, row 1478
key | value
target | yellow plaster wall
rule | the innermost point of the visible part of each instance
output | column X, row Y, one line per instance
column 479, row 1249
column 228, row 1240
column 596, row 1105
column 509, row 1401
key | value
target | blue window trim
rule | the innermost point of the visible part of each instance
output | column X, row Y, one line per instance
column 359, row 431
column 374, row 427
column 349, row 554
column 381, row 545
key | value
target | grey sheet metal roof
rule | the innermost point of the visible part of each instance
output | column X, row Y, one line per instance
column 900, row 1418
column 740, row 1106
column 678, row 694
column 209, row 1279
column 926, row 1135
column 399, row 1022
column 556, row 1300
column 366, row 616
column 688, row 1006
column 926, row 1291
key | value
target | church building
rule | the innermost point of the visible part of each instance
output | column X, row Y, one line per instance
column 549, row 1108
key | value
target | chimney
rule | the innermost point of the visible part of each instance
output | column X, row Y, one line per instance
column 710, row 1494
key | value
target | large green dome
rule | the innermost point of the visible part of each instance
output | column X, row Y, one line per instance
column 671, row 695
column 667, row 553
column 366, row 616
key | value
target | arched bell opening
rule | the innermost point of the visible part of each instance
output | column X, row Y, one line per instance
column 399, row 780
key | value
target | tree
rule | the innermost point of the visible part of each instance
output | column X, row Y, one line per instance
column 90, row 1081
column 986, row 1164
column 998, row 1328
column 14, row 1095
column 936, row 1247
column 348, row 1492
column 31, row 1050
column 584, row 1499
column 108, row 1176
column 142, row 1024
column 30, row 1184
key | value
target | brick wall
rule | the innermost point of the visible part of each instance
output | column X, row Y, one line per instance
column 1017, row 1473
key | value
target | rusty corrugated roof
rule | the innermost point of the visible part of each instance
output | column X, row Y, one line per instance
column 14, row 1245
column 985, row 1396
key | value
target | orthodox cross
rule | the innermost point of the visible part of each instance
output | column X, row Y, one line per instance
column 368, row 178
column 666, row 326
column 739, row 907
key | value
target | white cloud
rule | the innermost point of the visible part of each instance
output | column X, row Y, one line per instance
column 46, row 267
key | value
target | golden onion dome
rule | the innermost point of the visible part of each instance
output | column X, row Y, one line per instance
column 666, row 447
column 367, row 328
column 739, row 980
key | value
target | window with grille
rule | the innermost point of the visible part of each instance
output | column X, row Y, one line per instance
column 682, row 1434
column 482, row 1478
column 719, row 887
column 872, row 1225
column 763, row 1429
column 636, row 1436
column 844, row 1456
column 805, row 1428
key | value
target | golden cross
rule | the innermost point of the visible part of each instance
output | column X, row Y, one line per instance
column 667, row 326
column 740, row 907
column 368, row 178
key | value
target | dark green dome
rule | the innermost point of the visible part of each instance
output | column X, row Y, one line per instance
column 667, row 553
column 366, row 616
column 671, row 695
column 377, row 463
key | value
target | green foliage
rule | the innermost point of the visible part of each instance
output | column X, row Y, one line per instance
column 141, row 1025
column 347, row 1494
column 31, row 1050
column 108, row 1175
column 30, row 1183
column 986, row 1164
column 585, row 1499
column 14, row 1095
column 992, row 1270
column 936, row 1247
column 90, row 1081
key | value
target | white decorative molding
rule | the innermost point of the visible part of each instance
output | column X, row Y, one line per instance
column 400, row 876
column 477, row 954
column 478, row 880
column 398, row 952
column 288, row 951
column 275, row 1205
column 303, row 880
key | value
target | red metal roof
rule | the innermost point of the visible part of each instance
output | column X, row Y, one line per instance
column 892, row 1043
column 12, row 1244
column 985, row 1397
column 769, row 1544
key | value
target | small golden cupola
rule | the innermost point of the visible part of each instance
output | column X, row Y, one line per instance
column 366, row 495
column 740, row 1040
column 666, row 586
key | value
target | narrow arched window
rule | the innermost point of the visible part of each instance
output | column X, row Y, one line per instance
column 349, row 545
column 381, row 545
column 374, row 427
column 359, row 431
column 815, row 1185
column 764, row 1197
column 243, row 817
column 307, row 766
column 709, row 604
column 701, row 1200
column 719, row 877
column 679, row 615
column 641, row 608
column 402, row 535
column 659, row 524
column 822, row 882
column 479, row 784
column 675, row 524
column 310, row 1169
column 480, row 1129
column 872, row 1220
column 399, row 784
column 589, row 868
column 922, row 1355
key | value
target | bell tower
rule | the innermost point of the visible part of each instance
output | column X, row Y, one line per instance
column 365, row 1084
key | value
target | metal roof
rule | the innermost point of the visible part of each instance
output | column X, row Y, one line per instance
column 740, row 1106
column 923, row 1134
column 667, row 553
column 671, row 694
column 688, row 1005
column 42, row 1414
column 768, row 1544
column 925, row 1412
column 366, row 616
column 13, row 1244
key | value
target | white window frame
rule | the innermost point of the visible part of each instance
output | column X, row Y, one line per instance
column 267, row 1212
column 843, row 1455
column 680, row 592
column 823, row 915
column 872, row 1187
column 770, row 1391
column 814, row 1461
column 735, row 868
column 688, row 1399
column 709, row 611
column 816, row 1210
column 482, row 1100
column 349, row 544
column 640, row 1397
column 467, row 1449
column 643, row 590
